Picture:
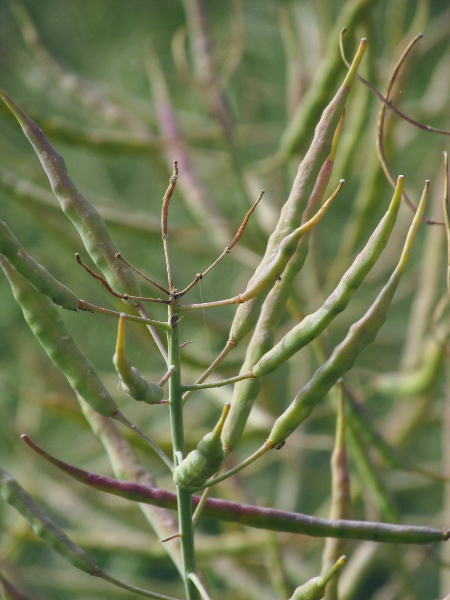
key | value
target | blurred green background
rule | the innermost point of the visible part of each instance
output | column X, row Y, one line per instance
column 94, row 75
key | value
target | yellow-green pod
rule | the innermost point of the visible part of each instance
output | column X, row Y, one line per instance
column 132, row 382
column 203, row 462
column 35, row 273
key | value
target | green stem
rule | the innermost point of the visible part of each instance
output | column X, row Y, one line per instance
column 184, row 497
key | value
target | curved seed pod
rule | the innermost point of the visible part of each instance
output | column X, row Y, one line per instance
column 47, row 325
column 202, row 463
column 263, row 337
column 268, row 357
column 286, row 250
column 291, row 213
column 315, row 588
column 84, row 216
column 51, row 533
column 314, row 324
column 36, row 274
column 131, row 380
column 361, row 334
column 44, row 527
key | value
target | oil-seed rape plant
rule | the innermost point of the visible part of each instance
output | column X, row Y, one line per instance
column 255, row 346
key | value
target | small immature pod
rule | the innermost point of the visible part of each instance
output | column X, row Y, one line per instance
column 132, row 382
column 315, row 588
column 202, row 463
column 84, row 216
column 361, row 334
column 47, row 325
column 43, row 526
column 36, row 274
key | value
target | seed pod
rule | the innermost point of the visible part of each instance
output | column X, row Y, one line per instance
column 343, row 357
column 202, row 463
column 315, row 588
column 291, row 213
column 314, row 324
column 47, row 325
column 36, row 274
column 287, row 248
column 84, row 216
column 132, row 382
column 44, row 527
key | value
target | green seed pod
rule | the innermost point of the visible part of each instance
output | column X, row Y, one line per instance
column 37, row 275
column 291, row 213
column 47, row 325
column 84, row 216
column 202, row 463
column 44, row 527
column 286, row 250
column 132, row 382
column 343, row 357
column 315, row 588
column 314, row 324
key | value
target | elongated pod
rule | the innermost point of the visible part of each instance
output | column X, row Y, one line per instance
column 44, row 527
column 35, row 273
column 51, row 533
column 132, row 382
column 245, row 392
column 84, row 216
column 203, row 462
column 343, row 357
column 314, row 324
column 47, row 325
column 291, row 213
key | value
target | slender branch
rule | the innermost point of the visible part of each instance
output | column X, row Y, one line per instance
column 88, row 307
column 156, row 338
column 167, row 376
column 388, row 104
column 164, row 218
column 229, row 346
column 109, row 289
column 381, row 121
column 214, row 304
column 184, row 496
column 199, row 585
column 227, row 250
column 118, row 416
column 215, row 384
column 245, row 463
column 119, row 256
column 386, row 100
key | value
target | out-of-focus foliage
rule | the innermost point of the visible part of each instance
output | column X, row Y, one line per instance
column 101, row 78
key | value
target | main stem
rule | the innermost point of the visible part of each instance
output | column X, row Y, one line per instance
column 184, row 497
